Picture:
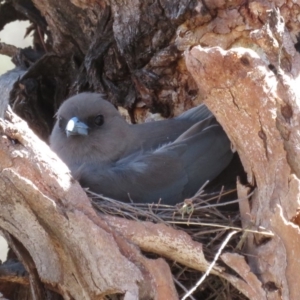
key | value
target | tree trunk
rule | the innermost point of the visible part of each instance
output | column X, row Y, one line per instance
column 240, row 58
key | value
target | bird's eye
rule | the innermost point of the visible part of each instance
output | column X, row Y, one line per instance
column 99, row 120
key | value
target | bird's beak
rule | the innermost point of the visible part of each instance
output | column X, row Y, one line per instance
column 75, row 127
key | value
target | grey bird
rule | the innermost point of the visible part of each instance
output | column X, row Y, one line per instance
column 165, row 161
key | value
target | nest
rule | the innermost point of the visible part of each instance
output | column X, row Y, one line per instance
column 207, row 219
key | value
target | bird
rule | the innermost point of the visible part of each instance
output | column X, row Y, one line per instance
column 164, row 161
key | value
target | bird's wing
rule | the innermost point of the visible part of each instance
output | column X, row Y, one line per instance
column 170, row 173
column 141, row 177
column 195, row 114
column 207, row 155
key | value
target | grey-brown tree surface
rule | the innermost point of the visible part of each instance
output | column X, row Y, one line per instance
column 239, row 57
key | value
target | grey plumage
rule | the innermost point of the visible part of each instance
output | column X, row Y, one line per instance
column 167, row 160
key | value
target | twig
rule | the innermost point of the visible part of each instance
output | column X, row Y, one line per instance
column 267, row 233
column 200, row 191
column 213, row 222
column 228, row 202
column 210, row 266
column 183, row 287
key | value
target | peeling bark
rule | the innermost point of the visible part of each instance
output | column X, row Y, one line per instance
column 259, row 111
column 246, row 70
column 73, row 250
column 76, row 252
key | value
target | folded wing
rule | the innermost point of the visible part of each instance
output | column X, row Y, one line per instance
column 170, row 173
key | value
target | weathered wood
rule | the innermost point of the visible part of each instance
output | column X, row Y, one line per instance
column 74, row 251
column 258, row 107
column 246, row 70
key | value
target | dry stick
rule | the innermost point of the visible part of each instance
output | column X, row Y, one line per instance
column 197, row 223
column 267, row 233
column 228, row 202
column 221, row 192
column 200, row 191
column 211, row 265
column 182, row 286
column 131, row 205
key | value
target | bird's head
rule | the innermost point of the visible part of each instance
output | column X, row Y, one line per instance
column 84, row 113
column 87, row 124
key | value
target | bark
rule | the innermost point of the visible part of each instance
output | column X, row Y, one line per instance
column 245, row 69
column 75, row 252
column 258, row 107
